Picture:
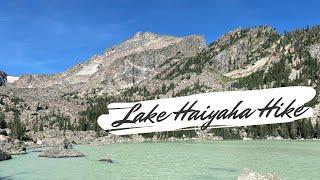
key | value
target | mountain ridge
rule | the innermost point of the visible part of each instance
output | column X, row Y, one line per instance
column 150, row 66
column 119, row 55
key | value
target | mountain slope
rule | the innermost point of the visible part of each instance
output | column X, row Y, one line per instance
column 121, row 66
column 64, row 95
column 149, row 66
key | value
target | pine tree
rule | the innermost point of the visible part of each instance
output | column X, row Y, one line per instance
column 41, row 125
column 252, row 131
column 317, row 130
column 83, row 124
column 18, row 129
column 226, row 133
column 262, row 131
column 306, row 128
column 284, row 131
column 3, row 123
column 293, row 130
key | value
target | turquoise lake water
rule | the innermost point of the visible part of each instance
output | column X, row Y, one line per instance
column 173, row 160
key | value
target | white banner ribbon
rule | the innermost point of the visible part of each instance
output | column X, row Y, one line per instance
column 209, row 110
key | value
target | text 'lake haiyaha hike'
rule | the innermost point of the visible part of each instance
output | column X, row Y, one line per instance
column 206, row 113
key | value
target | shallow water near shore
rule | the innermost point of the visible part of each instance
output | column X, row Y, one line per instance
column 173, row 160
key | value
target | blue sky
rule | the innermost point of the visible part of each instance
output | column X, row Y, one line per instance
column 42, row 36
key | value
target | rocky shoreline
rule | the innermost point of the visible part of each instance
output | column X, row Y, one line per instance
column 56, row 139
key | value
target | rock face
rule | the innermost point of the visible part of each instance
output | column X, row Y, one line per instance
column 60, row 152
column 242, row 47
column 121, row 66
column 134, row 61
column 250, row 175
column 4, row 155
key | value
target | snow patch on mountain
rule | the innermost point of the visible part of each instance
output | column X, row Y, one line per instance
column 12, row 79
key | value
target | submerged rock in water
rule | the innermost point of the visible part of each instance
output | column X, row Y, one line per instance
column 250, row 175
column 4, row 155
column 106, row 160
column 60, row 153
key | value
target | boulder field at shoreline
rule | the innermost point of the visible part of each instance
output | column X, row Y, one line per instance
column 54, row 138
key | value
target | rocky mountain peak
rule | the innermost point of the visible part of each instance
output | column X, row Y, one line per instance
column 122, row 65
column 141, row 41
column 145, row 34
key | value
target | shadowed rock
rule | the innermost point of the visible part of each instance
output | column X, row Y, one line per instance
column 3, row 132
column 4, row 156
column 106, row 160
column 66, row 144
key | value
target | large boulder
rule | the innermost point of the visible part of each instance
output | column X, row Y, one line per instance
column 250, row 175
column 60, row 152
column 11, row 146
column 4, row 138
column 66, row 144
column 4, row 155
column 3, row 132
column 106, row 160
